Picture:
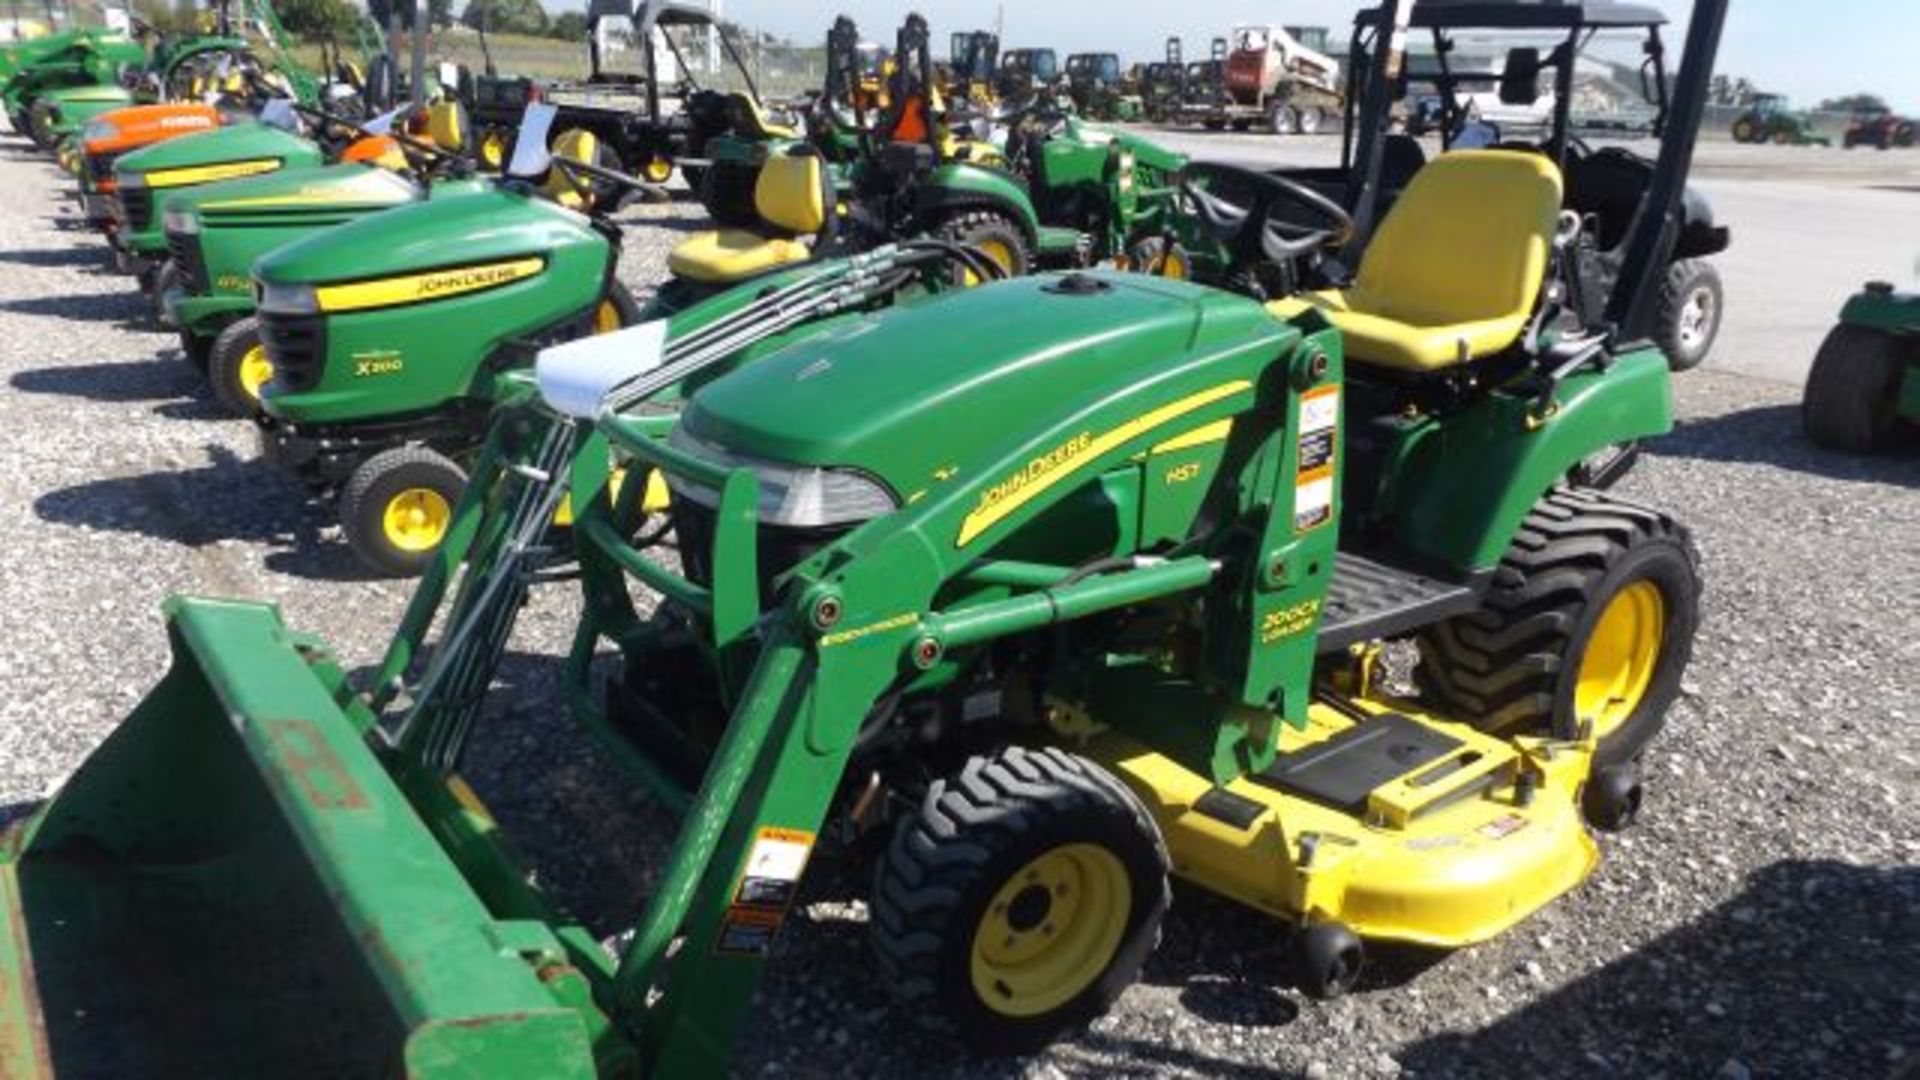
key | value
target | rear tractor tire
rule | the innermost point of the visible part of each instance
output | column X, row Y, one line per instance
column 397, row 506
column 1153, row 256
column 991, row 234
column 1852, row 397
column 1020, row 900
column 1693, row 303
column 1589, row 622
column 238, row 368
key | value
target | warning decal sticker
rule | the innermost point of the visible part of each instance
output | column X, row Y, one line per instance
column 768, row 883
column 1313, row 480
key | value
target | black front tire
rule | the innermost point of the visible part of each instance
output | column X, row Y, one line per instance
column 231, row 363
column 1515, row 666
column 1692, row 306
column 166, row 279
column 1852, row 397
column 966, row 863
column 394, row 481
column 992, row 234
column 196, row 349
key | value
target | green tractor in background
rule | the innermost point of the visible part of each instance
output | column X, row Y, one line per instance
column 1770, row 118
column 1054, row 613
column 88, row 59
column 1101, row 90
column 1863, row 393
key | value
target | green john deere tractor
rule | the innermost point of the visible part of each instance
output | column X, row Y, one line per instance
column 1863, row 394
column 1770, row 118
column 1100, row 88
column 88, row 59
column 1121, row 632
column 216, row 232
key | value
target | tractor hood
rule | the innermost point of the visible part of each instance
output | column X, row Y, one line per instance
column 249, row 145
column 931, row 388
column 1146, row 153
column 320, row 192
column 123, row 130
column 486, row 225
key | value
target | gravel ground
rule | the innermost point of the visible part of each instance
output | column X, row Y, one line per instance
column 1763, row 920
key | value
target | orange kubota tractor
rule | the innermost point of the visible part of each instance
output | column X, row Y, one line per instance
column 111, row 134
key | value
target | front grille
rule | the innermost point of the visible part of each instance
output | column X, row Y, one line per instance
column 184, row 249
column 296, row 347
column 100, row 166
column 136, row 208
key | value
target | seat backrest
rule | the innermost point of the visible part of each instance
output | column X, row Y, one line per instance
column 791, row 193
column 1468, row 240
column 576, row 144
column 447, row 125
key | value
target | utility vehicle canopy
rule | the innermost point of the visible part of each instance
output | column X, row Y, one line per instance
column 1519, row 15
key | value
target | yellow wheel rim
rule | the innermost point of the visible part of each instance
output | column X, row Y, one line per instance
column 493, row 151
column 1174, row 266
column 255, row 371
column 606, row 317
column 416, row 519
column 659, row 170
column 1050, row 930
column 1621, row 656
column 992, row 249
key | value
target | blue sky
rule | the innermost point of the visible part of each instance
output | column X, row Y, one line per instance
column 1809, row 51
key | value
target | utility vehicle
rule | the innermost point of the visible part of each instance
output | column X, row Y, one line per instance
column 1100, row 89
column 1055, row 614
column 1271, row 77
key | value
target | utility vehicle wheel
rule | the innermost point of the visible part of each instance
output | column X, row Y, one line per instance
column 1327, row 958
column 1242, row 125
column 1214, row 125
column 196, row 349
column 1851, row 402
column 1308, row 120
column 1589, row 621
column 657, row 169
column 1151, row 255
column 167, row 279
column 1021, row 899
column 237, row 367
column 496, row 147
column 991, row 234
column 1280, row 119
column 1692, row 302
column 397, row 507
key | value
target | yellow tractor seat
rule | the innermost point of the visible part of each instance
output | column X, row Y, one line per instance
column 447, row 126
column 793, row 198
column 1455, row 272
column 574, row 144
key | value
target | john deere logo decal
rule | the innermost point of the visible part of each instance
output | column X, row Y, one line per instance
column 420, row 288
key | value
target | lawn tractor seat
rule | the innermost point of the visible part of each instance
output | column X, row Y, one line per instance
column 574, row 144
column 751, row 119
column 1456, row 270
column 794, row 197
column 447, row 126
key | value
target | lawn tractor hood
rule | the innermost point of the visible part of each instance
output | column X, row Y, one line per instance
column 925, row 393
column 322, row 193
column 220, row 154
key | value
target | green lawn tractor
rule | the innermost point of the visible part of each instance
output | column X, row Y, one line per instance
column 1769, row 118
column 1119, row 633
column 1863, row 393
column 378, row 346
column 86, row 58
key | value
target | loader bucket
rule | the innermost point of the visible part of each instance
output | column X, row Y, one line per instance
column 233, row 885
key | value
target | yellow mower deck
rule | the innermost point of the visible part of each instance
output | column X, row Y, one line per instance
column 1450, row 851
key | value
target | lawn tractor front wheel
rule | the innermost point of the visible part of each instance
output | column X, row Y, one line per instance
column 1589, row 623
column 1853, row 389
column 1020, row 900
column 238, row 368
column 397, row 507
column 1692, row 301
column 991, row 234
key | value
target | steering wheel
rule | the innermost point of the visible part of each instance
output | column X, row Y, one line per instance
column 1249, row 230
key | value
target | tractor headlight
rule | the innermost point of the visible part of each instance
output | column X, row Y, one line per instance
column 1125, row 177
column 287, row 299
column 180, row 222
column 129, row 181
column 97, row 130
column 792, row 496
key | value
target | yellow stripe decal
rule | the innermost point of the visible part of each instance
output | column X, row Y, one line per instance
column 1042, row 473
column 1201, row 436
column 414, row 288
column 207, row 174
column 351, row 193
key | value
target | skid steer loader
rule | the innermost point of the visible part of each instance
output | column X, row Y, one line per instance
column 1065, row 613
